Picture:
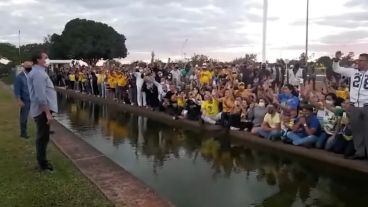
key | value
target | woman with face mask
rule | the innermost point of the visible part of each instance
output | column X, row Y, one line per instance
column 141, row 95
column 329, row 111
column 256, row 114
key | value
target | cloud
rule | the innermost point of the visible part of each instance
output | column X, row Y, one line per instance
column 353, row 3
column 346, row 37
column 346, row 20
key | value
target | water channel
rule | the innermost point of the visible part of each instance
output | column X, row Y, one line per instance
column 193, row 169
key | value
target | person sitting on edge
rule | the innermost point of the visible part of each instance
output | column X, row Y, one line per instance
column 271, row 126
column 210, row 110
column 306, row 129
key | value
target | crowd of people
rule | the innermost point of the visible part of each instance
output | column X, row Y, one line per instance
column 265, row 100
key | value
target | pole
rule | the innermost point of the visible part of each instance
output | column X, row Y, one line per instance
column 20, row 61
column 307, row 33
column 265, row 9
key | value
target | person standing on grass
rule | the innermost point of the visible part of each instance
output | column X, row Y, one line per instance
column 22, row 95
column 358, row 101
column 43, row 104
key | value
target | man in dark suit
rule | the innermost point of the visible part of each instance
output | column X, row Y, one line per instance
column 22, row 95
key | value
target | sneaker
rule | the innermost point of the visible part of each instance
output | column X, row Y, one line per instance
column 234, row 129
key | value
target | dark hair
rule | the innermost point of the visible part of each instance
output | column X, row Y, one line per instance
column 292, row 89
column 308, row 107
column 364, row 55
column 37, row 55
column 333, row 96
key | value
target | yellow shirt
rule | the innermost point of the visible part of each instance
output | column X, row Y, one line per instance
column 272, row 121
column 342, row 94
column 180, row 101
column 100, row 77
column 210, row 109
column 112, row 81
column 205, row 77
column 122, row 81
column 71, row 77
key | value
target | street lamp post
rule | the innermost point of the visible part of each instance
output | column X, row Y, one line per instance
column 307, row 33
column 265, row 10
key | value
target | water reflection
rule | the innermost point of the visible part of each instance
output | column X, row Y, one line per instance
column 193, row 169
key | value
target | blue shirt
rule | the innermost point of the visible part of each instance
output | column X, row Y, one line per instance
column 41, row 91
column 21, row 87
column 312, row 123
column 289, row 101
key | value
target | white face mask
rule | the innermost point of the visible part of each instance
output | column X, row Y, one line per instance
column 261, row 104
column 329, row 102
column 141, row 70
column 47, row 62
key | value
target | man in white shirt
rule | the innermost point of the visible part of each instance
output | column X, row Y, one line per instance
column 358, row 101
column 295, row 75
column 176, row 76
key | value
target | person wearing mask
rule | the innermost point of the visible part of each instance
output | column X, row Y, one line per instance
column 43, row 104
column 271, row 126
column 328, row 113
column 256, row 114
column 22, row 95
column 306, row 130
column 358, row 100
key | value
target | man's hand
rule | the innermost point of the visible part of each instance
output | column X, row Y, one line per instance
column 20, row 103
column 338, row 55
column 50, row 118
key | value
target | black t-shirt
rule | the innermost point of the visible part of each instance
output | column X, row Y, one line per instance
column 169, row 95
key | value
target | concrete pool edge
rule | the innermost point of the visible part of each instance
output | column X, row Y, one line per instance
column 311, row 154
column 117, row 184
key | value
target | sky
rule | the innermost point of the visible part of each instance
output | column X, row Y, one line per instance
column 221, row 29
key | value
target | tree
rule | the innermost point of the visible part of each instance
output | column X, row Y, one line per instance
column 248, row 59
column 9, row 52
column 86, row 39
column 199, row 59
column 28, row 50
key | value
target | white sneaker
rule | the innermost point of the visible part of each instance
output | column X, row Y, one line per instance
column 234, row 129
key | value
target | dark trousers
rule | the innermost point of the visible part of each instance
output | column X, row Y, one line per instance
column 42, row 138
column 359, row 122
column 24, row 112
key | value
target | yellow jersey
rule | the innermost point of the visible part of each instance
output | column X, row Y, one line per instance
column 205, row 77
column 122, row 80
column 71, row 77
column 210, row 108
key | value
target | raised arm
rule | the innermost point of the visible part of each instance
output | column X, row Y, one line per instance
column 341, row 70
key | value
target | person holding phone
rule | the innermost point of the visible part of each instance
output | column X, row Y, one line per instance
column 358, row 101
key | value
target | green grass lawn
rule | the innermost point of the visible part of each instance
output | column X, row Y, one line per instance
column 22, row 185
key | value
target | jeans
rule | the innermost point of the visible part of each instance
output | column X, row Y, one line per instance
column 298, row 140
column 273, row 134
column 24, row 113
column 42, row 138
column 321, row 142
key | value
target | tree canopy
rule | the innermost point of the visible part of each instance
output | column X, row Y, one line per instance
column 86, row 39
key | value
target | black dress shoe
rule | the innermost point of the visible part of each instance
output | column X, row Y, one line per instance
column 356, row 157
column 24, row 136
column 47, row 166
